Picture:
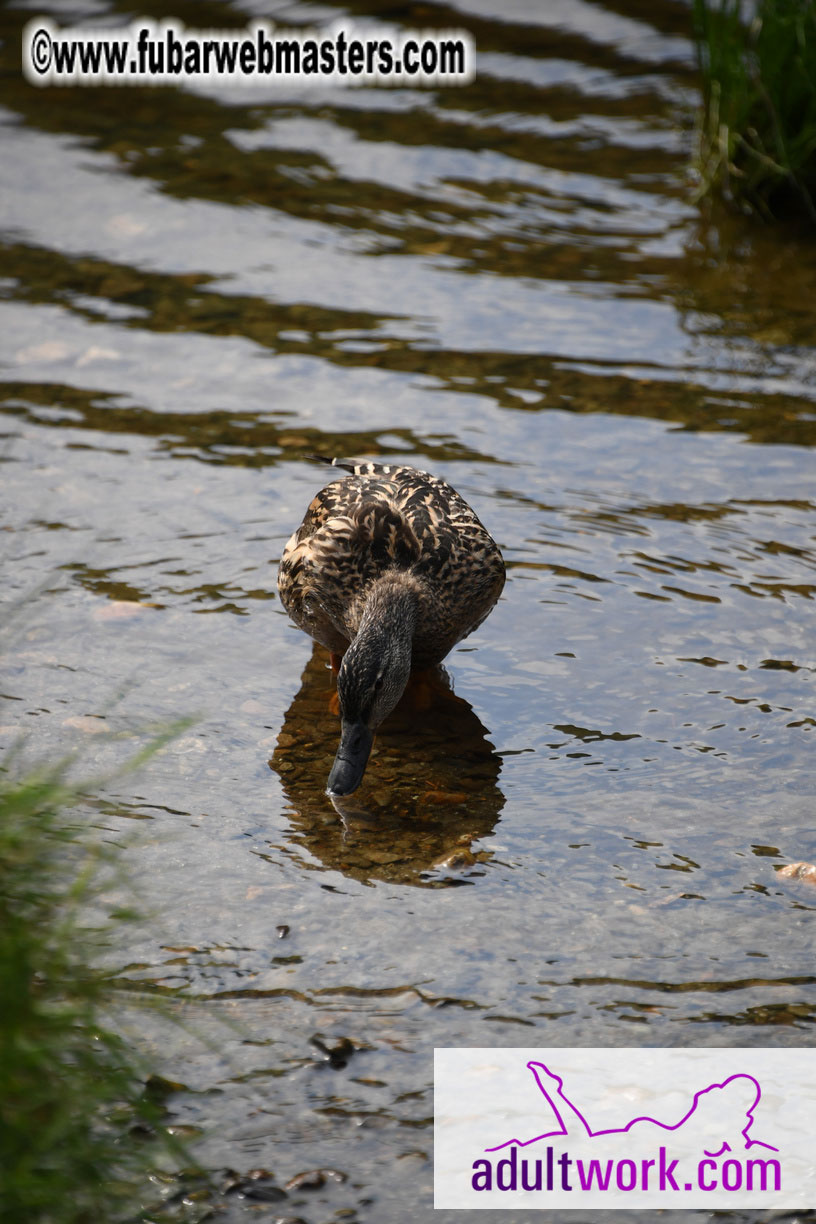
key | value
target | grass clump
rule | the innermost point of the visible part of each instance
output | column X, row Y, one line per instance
column 72, row 1100
column 757, row 132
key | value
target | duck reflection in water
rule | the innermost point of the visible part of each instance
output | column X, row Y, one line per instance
column 431, row 784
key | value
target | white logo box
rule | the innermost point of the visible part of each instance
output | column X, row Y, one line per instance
column 711, row 1128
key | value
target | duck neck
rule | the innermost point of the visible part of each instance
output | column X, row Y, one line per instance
column 391, row 607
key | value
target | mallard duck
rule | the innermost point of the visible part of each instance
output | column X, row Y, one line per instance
column 389, row 569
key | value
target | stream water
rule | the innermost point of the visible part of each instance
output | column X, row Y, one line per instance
column 504, row 283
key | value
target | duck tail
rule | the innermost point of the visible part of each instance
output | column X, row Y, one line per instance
column 349, row 465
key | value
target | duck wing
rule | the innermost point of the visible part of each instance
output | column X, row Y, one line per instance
column 351, row 533
column 459, row 561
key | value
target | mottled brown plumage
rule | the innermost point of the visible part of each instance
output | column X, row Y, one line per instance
column 394, row 561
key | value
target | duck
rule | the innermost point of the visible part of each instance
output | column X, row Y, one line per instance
column 389, row 570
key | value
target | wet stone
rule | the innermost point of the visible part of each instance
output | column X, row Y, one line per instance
column 799, row 871
column 455, row 861
column 315, row 1179
column 336, row 1056
column 257, row 1184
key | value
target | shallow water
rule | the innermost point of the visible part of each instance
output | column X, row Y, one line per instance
column 506, row 284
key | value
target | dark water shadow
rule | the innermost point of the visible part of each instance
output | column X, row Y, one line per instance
column 430, row 791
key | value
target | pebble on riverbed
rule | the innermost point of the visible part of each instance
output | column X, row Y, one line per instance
column 314, row 1179
column 121, row 609
column 336, row 1056
column 799, row 871
column 257, row 1184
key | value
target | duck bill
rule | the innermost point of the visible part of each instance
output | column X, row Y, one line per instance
column 351, row 760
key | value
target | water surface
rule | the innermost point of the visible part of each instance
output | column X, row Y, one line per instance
column 506, row 284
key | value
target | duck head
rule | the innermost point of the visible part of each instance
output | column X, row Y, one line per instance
column 372, row 678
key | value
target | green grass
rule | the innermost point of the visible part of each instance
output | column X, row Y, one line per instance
column 74, row 1108
column 757, row 132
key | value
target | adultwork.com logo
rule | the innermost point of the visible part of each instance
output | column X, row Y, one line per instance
column 726, row 1105
column 624, row 1128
